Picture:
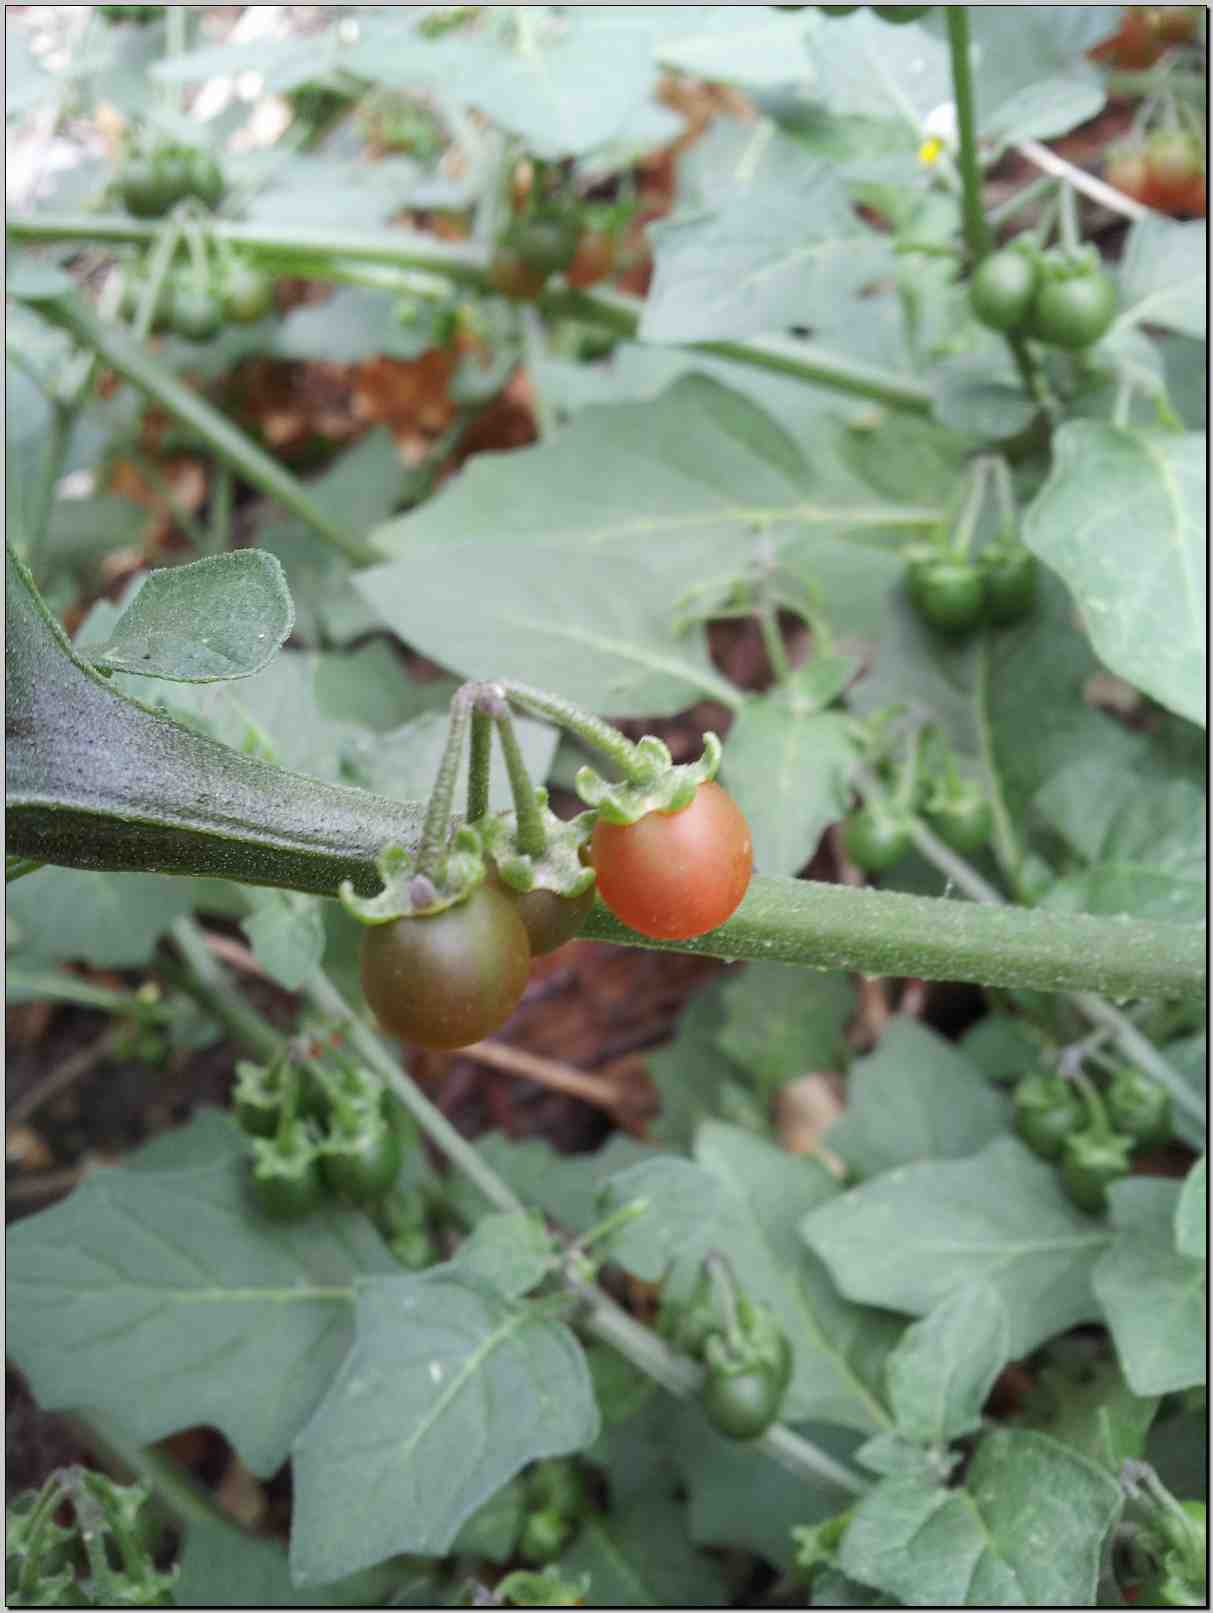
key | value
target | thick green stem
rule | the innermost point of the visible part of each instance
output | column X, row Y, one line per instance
column 977, row 231
column 121, row 353
column 298, row 246
column 834, row 927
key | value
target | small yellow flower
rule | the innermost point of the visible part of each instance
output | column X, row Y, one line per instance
column 929, row 151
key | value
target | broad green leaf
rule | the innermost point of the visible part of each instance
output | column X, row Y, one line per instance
column 981, row 393
column 222, row 617
column 364, row 486
column 1000, row 1046
column 1136, row 811
column 1192, row 1212
column 789, row 768
column 287, row 933
column 329, row 193
column 112, row 921
column 493, row 1529
column 914, row 1098
column 746, row 1198
column 778, row 1025
column 584, row 547
column 369, row 686
column 562, row 85
column 738, row 1498
column 209, row 1136
column 1096, row 1413
column 689, row 1071
column 908, row 1239
column 224, row 1566
column 1026, row 1530
column 641, row 1556
column 943, row 1368
column 1164, row 275
column 448, row 1391
column 511, row 1253
column 896, row 1458
column 1031, row 73
column 1152, row 1297
column 356, row 322
column 739, row 45
column 159, row 1298
column 768, row 256
column 1122, row 518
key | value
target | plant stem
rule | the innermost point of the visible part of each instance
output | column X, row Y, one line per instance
column 295, row 245
column 583, row 725
column 323, row 995
column 208, row 982
column 431, row 856
column 121, row 353
column 1031, row 192
column 174, row 1487
column 1058, row 168
column 977, row 231
column 1141, row 1051
column 479, row 761
column 530, row 838
column 604, row 1318
column 1095, row 1010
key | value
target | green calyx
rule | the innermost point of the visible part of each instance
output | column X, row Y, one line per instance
column 407, row 893
column 558, row 868
column 656, row 784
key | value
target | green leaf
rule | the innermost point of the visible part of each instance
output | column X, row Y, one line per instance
column 112, row 921
column 1095, row 1413
column 896, row 1458
column 583, row 545
column 778, row 1025
column 1111, row 490
column 689, row 1071
column 356, row 322
column 1027, row 1529
column 448, row 1392
column 286, row 930
column 738, row 1498
column 941, row 1373
column 1192, row 1212
column 563, row 87
column 641, row 1556
column 1163, row 275
column 223, row 617
column 908, row 1239
column 224, row 1566
column 159, row 1298
column 766, row 257
column 916, row 1097
column 789, row 769
column 740, row 46
column 511, row 1253
column 1152, row 1297
column 745, row 1197
column 492, row 1531
column 981, row 393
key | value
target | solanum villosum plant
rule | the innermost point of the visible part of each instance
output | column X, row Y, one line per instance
column 939, row 466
